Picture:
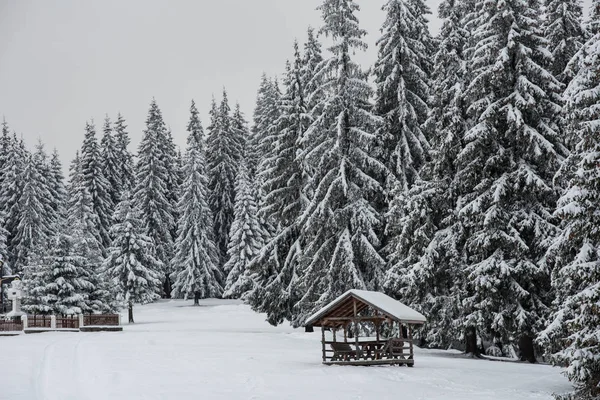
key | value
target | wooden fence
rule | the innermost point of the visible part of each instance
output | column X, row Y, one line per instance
column 101, row 320
column 11, row 326
column 67, row 322
column 39, row 321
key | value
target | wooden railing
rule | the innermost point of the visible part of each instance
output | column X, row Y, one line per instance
column 39, row 321
column 11, row 326
column 67, row 322
column 392, row 349
column 101, row 320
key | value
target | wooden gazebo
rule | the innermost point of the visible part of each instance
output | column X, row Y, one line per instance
column 372, row 312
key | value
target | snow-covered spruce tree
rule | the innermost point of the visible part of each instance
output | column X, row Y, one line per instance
column 110, row 166
column 92, row 177
column 125, row 163
column 197, row 272
column 311, row 60
column 11, row 191
column 67, row 280
column 82, row 224
column 151, row 194
column 222, row 151
column 31, row 231
column 565, row 34
column 427, row 269
column 241, row 131
column 275, row 269
column 56, row 183
column 246, row 238
column 339, row 224
column 402, row 77
column 264, row 130
column 505, row 173
column 573, row 336
column 5, row 147
column 131, row 265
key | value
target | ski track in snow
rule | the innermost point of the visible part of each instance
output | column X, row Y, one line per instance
column 225, row 351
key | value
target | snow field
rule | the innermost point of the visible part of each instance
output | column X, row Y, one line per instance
column 222, row 350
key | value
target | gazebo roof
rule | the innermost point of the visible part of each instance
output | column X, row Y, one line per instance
column 343, row 307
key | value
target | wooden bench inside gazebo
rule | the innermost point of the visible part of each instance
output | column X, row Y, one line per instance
column 386, row 325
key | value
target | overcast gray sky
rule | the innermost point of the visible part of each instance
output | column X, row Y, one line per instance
column 63, row 62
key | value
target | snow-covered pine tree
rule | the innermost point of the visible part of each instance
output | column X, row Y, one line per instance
column 82, row 225
column 245, row 240
column 505, row 172
column 31, row 231
column 241, row 131
column 402, row 78
column 264, row 130
column 131, row 265
column 275, row 269
column 56, row 183
column 110, row 167
column 5, row 147
column 311, row 63
column 125, row 164
column 92, row 177
column 564, row 31
column 340, row 223
column 573, row 335
column 426, row 272
column 197, row 272
column 67, row 280
column 151, row 196
column 50, row 216
column 222, row 153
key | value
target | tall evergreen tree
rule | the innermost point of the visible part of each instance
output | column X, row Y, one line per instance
column 424, row 273
column 565, row 34
column 152, row 196
column 131, row 264
column 246, row 238
column 31, row 232
column 573, row 335
column 196, row 255
column 10, row 193
column 402, row 77
column 340, row 223
column 276, row 269
column 222, row 152
column 264, row 130
column 110, row 167
column 505, row 175
column 97, row 185
column 125, row 163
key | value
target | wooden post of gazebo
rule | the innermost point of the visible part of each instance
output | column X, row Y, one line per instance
column 363, row 307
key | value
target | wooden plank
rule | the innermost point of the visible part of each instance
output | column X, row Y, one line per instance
column 371, row 362
column 323, row 341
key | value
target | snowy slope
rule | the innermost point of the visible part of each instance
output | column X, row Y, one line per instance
column 223, row 350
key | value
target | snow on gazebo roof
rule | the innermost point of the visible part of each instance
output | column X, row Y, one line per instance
column 380, row 301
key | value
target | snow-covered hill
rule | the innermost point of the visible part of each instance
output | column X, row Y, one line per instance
column 222, row 350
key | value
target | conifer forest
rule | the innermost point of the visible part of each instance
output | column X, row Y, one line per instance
column 459, row 174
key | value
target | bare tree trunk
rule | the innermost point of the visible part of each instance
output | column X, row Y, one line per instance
column 197, row 298
column 471, row 341
column 131, row 313
column 167, row 288
column 526, row 348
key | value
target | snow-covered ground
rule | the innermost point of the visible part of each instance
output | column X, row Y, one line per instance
column 223, row 350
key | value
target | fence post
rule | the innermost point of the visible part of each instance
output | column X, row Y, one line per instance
column 24, row 321
column 53, row 322
column 80, row 320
